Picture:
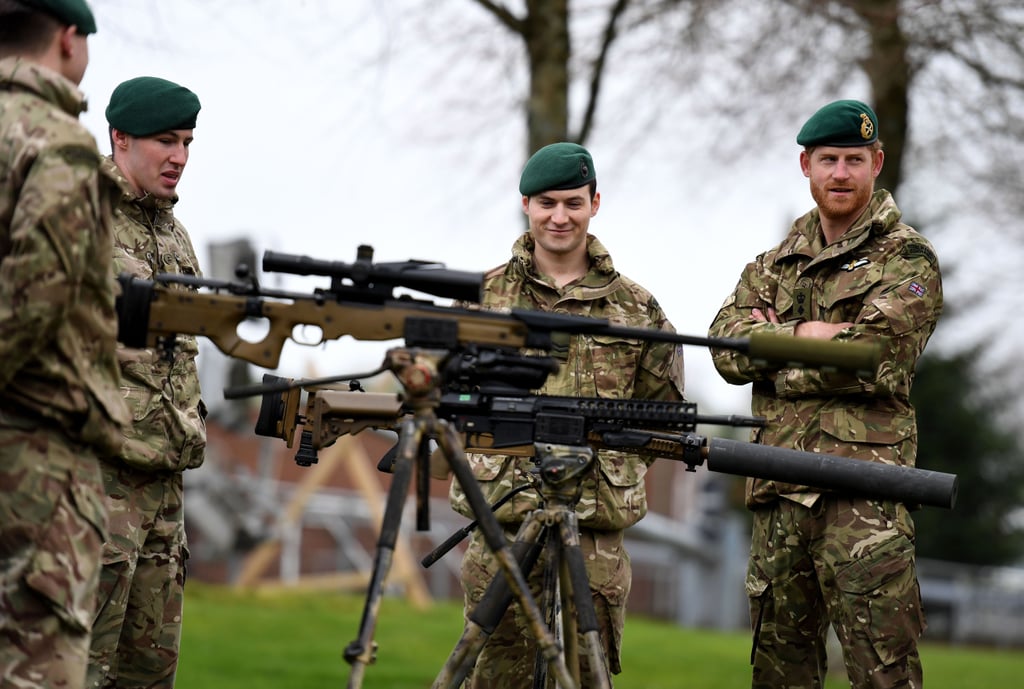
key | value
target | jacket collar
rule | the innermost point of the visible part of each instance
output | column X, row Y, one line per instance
column 19, row 73
column 148, row 204
column 601, row 278
column 804, row 238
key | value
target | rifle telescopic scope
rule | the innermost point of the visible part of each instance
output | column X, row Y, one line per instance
column 382, row 278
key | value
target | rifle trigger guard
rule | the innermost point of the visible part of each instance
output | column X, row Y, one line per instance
column 253, row 307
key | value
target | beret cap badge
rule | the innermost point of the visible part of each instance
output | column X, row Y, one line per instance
column 867, row 129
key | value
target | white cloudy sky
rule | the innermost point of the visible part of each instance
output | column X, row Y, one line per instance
column 323, row 127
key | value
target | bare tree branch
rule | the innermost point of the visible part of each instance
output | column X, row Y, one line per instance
column 597, row 73
column 504, row 16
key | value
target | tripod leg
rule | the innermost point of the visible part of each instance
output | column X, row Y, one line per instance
column 570, row 628
column 362, row 651
column 483, row 619
column 552, row 605
column 423, row 486
column 586, row 616
column 494, row 536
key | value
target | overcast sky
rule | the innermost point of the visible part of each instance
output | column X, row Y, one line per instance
column 319, row 132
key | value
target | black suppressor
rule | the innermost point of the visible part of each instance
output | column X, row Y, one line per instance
column 884, row 481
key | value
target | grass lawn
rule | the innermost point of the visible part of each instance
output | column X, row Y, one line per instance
column 249, row 640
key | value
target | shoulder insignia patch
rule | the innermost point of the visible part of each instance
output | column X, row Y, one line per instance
column 75, row 155
column 917, row 250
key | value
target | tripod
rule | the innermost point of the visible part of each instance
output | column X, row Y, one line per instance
column 554, row 527
column 417, row 371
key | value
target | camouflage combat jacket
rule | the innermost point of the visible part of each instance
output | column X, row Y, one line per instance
column 613, row 495
column 57, row 318
column 883, row 277
column 168, row 429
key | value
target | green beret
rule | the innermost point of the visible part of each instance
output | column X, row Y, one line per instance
column 67, row 12
column 557, row 166
column 148, row 105
column 842, row 123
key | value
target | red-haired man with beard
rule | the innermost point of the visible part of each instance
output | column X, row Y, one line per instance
column 848, row 270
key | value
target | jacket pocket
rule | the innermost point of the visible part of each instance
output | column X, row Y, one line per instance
column 620, row 496
column 496, row 475
column 613, row 364
column 884, row 431
column 881, row 594
column 65, row 567
column 161, row 436
column 850, row 284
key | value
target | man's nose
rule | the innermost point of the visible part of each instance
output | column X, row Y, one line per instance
column 180, row 155
column 559, row 215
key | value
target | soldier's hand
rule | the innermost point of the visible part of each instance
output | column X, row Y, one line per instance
column 766, row 316
column 819, row 330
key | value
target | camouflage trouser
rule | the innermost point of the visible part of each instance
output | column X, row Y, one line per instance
column 138, row 623
column 845, row 561
column 507, row 659
column 51, row 533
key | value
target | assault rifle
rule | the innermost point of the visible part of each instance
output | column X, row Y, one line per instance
column 360, row 303
column 512, row 424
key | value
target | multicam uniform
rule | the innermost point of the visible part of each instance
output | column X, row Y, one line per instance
column 812, row 552
column 59, row 402
column 138, row 626
column 613, row 493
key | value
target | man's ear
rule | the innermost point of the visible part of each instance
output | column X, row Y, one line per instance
column 877, row 162
column 67, row 45
column 805, row 163
column 118, row 138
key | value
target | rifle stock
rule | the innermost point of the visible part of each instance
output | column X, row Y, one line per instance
column 218, row 316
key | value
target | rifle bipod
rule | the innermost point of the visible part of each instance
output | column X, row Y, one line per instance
column 418, row 375
column 565, row 595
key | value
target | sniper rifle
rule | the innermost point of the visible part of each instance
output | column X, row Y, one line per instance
column 360, row 302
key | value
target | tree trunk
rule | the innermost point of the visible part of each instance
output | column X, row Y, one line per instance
column 888, row 69
column 547, row 44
